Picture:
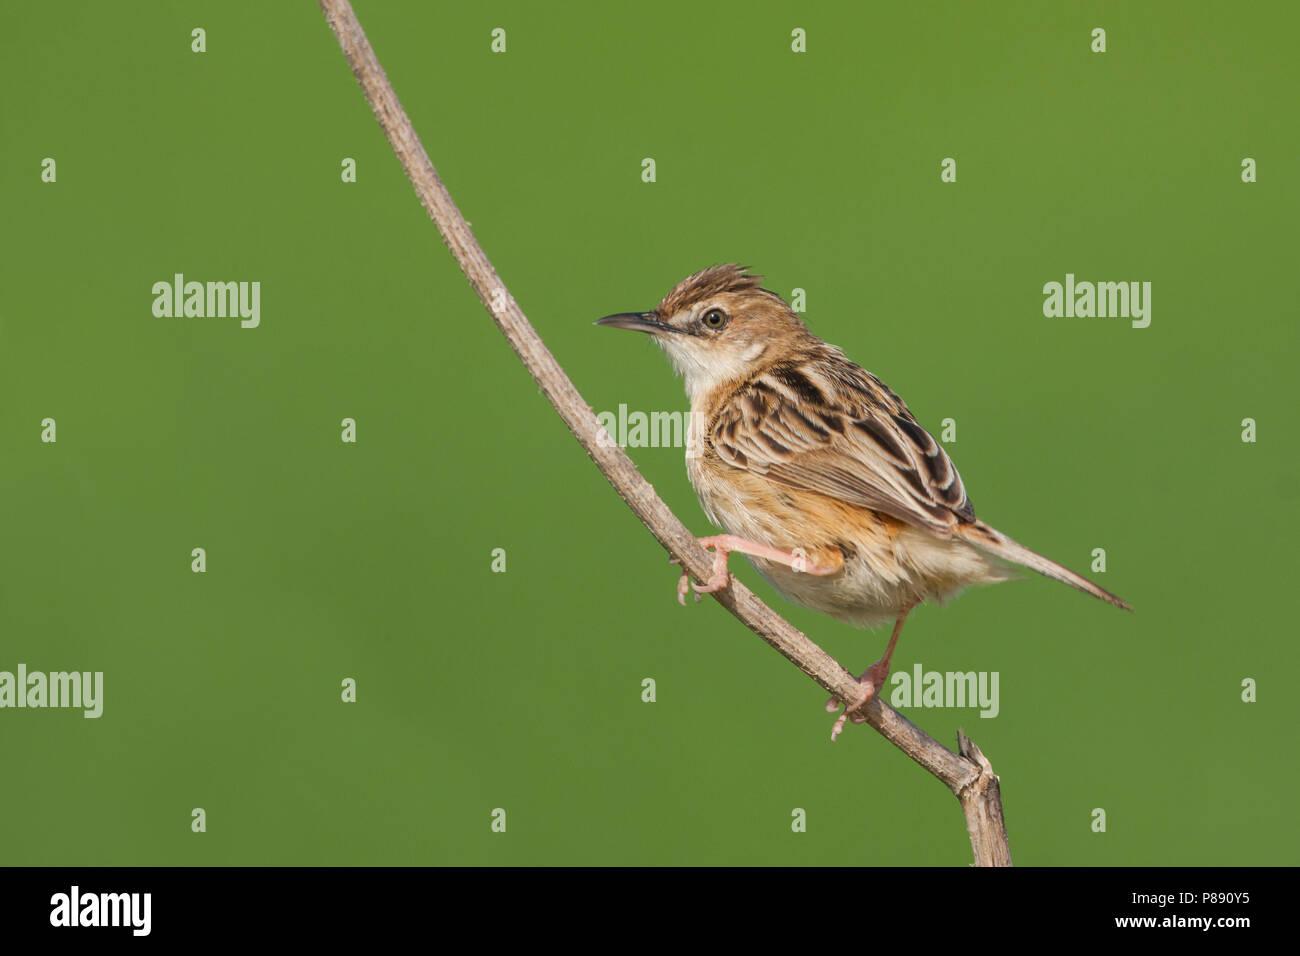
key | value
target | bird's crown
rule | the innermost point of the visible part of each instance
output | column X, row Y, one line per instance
column 715, row 280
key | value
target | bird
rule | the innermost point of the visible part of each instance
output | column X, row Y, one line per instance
column 817, row 471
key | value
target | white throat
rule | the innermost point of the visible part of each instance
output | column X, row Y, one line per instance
column 702, row 370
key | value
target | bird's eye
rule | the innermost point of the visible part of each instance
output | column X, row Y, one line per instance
column 715, row 319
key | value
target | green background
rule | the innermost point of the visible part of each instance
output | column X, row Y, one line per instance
column 522, row 690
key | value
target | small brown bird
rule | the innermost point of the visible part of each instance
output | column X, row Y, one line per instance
column 816, row 470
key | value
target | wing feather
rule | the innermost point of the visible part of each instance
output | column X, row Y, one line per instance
column 823, row 424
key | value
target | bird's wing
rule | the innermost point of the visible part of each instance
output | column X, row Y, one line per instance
column 825, row 425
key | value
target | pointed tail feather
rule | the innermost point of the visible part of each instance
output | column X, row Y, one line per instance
column 994, row 542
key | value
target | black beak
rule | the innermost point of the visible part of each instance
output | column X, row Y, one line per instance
column 638, row 321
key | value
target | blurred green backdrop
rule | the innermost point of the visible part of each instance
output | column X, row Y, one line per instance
column 522, row 690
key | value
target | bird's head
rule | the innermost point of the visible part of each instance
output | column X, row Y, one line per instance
column 718, row 326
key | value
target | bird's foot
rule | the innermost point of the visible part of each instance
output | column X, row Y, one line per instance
column 870, row 684
column 719, row 578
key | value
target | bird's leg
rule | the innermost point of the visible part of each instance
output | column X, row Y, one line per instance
column 830, row 561
column 871, row 682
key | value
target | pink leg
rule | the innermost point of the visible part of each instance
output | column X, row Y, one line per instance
column 724, row 544
column 871, row 682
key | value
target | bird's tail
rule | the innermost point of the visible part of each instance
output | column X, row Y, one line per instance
column 994, row 542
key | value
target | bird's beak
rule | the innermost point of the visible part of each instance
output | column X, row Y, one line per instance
column 639, row 321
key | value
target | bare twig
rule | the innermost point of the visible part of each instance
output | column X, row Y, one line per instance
column 968, row 774
column 981, row 801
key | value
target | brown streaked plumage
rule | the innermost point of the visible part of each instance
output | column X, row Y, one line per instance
column 817, row 471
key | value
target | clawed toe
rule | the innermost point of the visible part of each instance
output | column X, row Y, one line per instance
column 716, row 583
column 684, row 588
column 718, row 580
column 851, row 711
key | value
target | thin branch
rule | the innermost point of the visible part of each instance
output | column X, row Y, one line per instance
column 981, row 802
column 967, row 775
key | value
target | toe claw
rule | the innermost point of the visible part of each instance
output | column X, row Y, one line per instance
column 852, row 710
column 838, row 728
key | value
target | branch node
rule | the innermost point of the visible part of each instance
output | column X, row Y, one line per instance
column 981, row 802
